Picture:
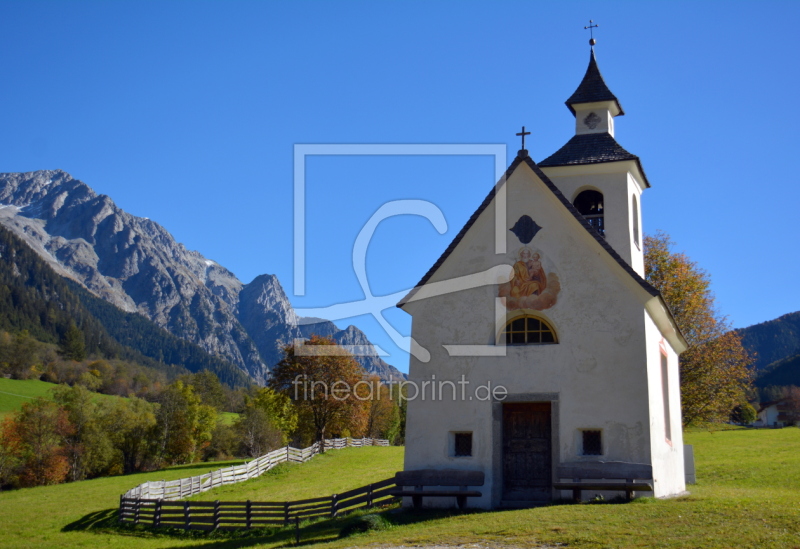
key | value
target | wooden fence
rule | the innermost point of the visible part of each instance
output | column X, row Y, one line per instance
column 230, row 515
column 182, row 488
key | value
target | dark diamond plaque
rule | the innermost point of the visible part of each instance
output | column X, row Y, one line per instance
column 525, row 229
column 592, row 120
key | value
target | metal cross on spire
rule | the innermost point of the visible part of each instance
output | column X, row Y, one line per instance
column 591, row 28
column 523, row 133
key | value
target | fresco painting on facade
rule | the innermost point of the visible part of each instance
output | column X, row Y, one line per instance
column 530, row 286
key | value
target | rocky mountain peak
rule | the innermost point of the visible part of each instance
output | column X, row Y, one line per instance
column 266, row 293
column 138, row 266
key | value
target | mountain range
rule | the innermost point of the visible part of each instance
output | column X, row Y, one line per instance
column 136, row 265
column 775, row 346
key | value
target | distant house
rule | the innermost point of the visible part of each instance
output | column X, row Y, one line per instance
column 775, row 413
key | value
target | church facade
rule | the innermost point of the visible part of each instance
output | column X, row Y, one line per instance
column 545, row 346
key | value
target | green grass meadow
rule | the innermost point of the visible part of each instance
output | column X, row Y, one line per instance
column 14, row 393
column 748, row 495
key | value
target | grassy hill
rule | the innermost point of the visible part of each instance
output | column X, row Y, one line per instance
column 333, row 472
column 14, row 392
column 749, row 485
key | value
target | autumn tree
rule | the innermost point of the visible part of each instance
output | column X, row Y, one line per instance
column 381, row 410
column 40, row 427
column 320, row 378
column 715, row 369
column 9, row 451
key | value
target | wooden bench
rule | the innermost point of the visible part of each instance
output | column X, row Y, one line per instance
column 585, row 476
column 426, row 478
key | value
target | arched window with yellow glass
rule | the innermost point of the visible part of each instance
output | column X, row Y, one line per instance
column 528, row 330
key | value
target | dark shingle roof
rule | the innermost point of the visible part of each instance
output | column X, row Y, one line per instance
column 591, row 148
column 592, row 88
column 567, row 204
column 588, row 148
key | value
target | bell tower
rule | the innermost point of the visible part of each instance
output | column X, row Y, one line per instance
column 600, row 178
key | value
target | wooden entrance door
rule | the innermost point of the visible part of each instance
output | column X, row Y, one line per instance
column 527, row 452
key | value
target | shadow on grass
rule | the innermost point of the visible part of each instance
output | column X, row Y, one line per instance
column 320, row 531
column 104, row 519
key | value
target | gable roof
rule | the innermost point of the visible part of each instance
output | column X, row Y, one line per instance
column 520, row 159
column 592, row 88
column 591, row 148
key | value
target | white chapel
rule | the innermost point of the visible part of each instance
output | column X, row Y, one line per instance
column 584, row 349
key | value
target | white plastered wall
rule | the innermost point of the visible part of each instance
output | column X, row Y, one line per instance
column 618, row 185
column 668, row 467
column 598, row 370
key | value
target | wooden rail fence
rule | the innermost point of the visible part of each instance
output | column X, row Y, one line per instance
column 230, row 515
column 182, row 488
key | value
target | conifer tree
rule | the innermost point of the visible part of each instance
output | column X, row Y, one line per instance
column 72, row 345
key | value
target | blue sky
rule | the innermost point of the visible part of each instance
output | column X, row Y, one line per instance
column 188, row 113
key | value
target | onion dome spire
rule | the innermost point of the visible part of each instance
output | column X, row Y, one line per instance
column 593, row 89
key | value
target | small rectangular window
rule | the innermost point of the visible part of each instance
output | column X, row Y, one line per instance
column 592, row 443
column 463, row 444
column 665, row 397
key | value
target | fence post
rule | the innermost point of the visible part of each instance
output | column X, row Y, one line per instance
column 286, row 514
column 216, row 514
column 248, row 513
column 157, row 514
column 369, row 496
column 186, row 514
column 334, row 505
column 136, row 511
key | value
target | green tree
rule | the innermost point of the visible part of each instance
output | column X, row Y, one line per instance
column 320, row 380
column 18, row 354
column 225, row 442
column 72, row 345
column 257, row 433
column 207, row 387
column 279, row 409
column 400, row 396
column 130, row 424
column 183, row 424
column 87, row 445
column 715, row 370
column 744, row 414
